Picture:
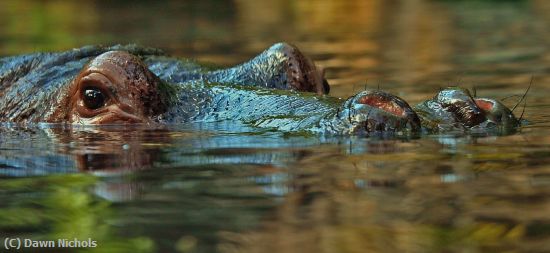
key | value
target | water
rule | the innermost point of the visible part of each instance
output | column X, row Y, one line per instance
column 205, row 188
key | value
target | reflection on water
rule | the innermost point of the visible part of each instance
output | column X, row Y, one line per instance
column 204, row 188
column 158, row 190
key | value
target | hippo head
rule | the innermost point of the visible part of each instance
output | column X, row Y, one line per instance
column 115, row 87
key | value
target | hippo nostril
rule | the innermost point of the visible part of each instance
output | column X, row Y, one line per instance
column 378, row 111
column 466, row 114
column 461, row 106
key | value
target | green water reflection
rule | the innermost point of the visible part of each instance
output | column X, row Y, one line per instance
column 215, row 191
column 61, row 207
column 207, row 189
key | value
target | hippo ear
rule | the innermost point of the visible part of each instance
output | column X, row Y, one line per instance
column 326, row 86
column 323, row 87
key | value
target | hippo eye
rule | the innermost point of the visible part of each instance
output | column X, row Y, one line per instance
column 93, row 98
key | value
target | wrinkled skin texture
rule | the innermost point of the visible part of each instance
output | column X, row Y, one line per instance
column 279, row 89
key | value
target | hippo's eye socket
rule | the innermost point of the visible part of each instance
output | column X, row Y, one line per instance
column 93, row 98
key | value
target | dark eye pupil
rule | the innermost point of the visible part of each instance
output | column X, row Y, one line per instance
column 93, row 98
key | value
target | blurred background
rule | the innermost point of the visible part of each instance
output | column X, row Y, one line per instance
column 409, row 47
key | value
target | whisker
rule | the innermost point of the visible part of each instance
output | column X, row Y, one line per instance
column 511, row 96
column 524, row 94
column 523, row 110
column 459, row 79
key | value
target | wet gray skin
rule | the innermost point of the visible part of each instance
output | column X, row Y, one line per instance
column 263, row 92
column 455, row 109
column 279, row 90
column 31, row 85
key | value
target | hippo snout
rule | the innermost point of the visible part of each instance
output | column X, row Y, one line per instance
column 455, row 108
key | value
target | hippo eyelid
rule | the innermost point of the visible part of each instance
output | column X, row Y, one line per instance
column 99, row 80
column 102, row 83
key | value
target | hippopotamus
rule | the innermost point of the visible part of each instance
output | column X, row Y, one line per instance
column 279, row 89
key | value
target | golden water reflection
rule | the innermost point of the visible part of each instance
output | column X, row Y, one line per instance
column 409, row 48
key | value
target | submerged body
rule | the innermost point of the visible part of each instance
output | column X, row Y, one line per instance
column 279, row 89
